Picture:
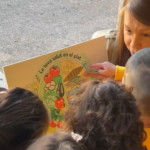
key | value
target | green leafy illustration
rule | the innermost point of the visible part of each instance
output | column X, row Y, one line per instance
column 57, row 79
column 68, row 84
column 50, row 93
column 76, row 79
column 56, row 115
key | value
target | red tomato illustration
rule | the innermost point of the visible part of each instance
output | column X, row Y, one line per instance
column 52, row 123
column 59, row 103
column 58, row 124
column 48, row 78
column 54, row 71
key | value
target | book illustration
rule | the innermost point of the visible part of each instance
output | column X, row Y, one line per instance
column 57, row 75
column 59, row 81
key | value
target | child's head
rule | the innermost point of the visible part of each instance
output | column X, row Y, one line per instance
column 105, row 114
column 3, row 90
column 23, row 117
column 133, row 29
column 137, row 76
column 58, row 141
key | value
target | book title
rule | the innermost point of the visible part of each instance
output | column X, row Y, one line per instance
column 59, row 56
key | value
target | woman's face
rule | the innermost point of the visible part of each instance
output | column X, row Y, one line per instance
column 136, row 34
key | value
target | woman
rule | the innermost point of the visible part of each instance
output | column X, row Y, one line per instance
column 133, row 34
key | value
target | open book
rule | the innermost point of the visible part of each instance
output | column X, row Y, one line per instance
column 56, row 76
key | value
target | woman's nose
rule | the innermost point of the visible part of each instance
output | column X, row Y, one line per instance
column 135, row 43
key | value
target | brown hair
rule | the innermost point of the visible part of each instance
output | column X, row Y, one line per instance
column 105, row 114
column 140, row 9
column 23, row 117
column 121, row 51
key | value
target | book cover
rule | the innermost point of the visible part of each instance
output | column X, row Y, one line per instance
column 56, row 76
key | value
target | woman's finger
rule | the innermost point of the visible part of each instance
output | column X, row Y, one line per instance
column 91, row 73
column 95, row 75
column 102, row 72
column 98, row 65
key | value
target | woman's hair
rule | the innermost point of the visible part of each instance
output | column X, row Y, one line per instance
column 23, row 117
column 140, row 9
column 121, row 52
column 138, row 69
column 105, row 114
column 57, row 141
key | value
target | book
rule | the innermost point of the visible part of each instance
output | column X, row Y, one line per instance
column 56, row 76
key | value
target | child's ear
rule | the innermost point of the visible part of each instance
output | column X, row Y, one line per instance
column 125, row 82
column 126, row 79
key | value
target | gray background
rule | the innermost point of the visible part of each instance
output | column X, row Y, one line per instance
column 30, row 28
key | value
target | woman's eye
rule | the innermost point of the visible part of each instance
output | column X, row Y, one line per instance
column 127, row 30
column 146, row 35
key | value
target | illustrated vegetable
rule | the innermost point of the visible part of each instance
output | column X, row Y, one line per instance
column 58, row 124
column 60, row 90
column 54, row 71
column 74, row 73
column 36, row 85
column 70, row 64
column 50, row 86
column 48, row 78
column 49, row 94
column 62, row 110
column 57, row 79
column 52, row 123
column 59, row 103
column 56, row 114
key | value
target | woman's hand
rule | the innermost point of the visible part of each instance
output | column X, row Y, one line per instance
column 106, row 69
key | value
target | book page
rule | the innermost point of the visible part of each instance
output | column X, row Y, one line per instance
column 56, row 76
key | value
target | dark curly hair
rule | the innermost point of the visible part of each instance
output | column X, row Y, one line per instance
column 23, row 117
column 106, row 115
column 57, row 141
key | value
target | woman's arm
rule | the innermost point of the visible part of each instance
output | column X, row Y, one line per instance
column 106, row 70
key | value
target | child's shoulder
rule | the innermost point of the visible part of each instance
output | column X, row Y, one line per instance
column 146, row 142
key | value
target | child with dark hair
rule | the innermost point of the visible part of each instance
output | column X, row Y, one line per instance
column 3, row 90
column 106, row 116
column 137, row 76
column 58, row 141
column 23, row 117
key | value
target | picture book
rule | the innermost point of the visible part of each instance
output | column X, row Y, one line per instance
column 56, row 76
